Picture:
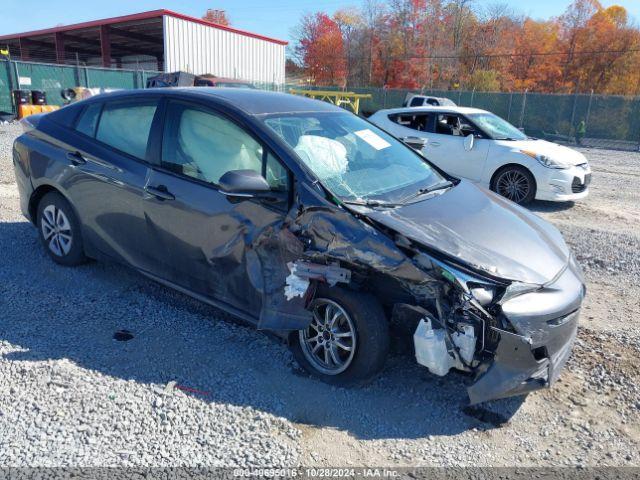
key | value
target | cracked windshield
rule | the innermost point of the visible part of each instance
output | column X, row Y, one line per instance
column 354, row 159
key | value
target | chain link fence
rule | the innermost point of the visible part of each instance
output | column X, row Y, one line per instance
column 52, row 79
column 605, row 121
column 610, row 121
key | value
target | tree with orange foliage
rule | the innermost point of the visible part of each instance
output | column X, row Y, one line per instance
column 533, row 63
column 444, row 44
column 607, row 31
column 218, row 17
column 321, row 49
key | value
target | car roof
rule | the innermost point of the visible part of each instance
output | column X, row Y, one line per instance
column 432, row 108
column 250, row 101
column 419, row 95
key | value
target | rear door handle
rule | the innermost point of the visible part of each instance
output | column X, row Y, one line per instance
column 434, row 144
column 159, row 192
column 76, row 158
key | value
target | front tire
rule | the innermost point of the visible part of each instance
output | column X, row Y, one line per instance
column 515, row 183
column 347, row 341
column 59, row 230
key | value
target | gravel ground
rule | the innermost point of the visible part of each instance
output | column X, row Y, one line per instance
column 194, row 388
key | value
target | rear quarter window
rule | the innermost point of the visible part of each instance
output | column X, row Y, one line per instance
column 88, row 119
column 66, row 116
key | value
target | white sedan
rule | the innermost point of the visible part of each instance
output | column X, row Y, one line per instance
column 484, row 148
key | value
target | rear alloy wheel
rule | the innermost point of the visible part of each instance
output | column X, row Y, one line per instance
column 516, row 184
column 56, row 230
column 347, row 341
column 59, row 230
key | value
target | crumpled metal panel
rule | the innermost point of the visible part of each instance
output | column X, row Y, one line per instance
column 336, row 234
column 515, row 370
column 482, row 230
column 538, row 314
column 273, row 250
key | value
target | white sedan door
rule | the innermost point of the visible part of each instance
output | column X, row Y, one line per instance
column 407, row 124
column 446, row 148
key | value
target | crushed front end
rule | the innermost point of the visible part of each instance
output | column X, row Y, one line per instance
column 514, row 338
column 463, row 307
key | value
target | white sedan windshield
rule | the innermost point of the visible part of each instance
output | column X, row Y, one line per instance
column 352, row 158
column 496, row 127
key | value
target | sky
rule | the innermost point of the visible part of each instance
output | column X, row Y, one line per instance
column 273, row 18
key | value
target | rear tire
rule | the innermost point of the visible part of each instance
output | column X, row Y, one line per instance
column 59, row 230
column 350, row 336
column 514, row 183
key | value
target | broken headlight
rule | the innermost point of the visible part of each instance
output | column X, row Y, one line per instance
column 518, row 288
column 481, row 291
column 483, row 294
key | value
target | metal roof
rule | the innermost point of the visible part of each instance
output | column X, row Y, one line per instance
column 136, row 17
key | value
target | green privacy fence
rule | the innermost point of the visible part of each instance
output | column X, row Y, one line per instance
column 611, row 121
column 52, row 79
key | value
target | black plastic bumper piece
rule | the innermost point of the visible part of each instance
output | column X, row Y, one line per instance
column 515, row 370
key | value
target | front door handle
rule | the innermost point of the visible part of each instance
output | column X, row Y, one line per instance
column 159, row 192
column 434, row 144
column 76, row 158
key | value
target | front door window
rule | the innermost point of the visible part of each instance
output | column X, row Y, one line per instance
column 204, row 145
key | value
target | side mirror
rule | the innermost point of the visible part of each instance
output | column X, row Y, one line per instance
column 243, row 183
column 468, row 142
column 417, row 143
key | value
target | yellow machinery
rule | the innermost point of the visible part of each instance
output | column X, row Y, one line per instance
column 26, row 110
column 348, row 99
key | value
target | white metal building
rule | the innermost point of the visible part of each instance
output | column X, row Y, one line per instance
column 156, row 40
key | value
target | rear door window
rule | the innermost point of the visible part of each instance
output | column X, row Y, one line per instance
column 415, row 121
column 125, row 126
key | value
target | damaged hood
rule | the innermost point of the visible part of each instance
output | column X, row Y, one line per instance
column 482, row 230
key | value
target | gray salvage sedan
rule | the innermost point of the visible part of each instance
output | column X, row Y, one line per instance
column 310, row 222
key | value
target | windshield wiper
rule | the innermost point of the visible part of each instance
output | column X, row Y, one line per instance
column 423, row 191
column 371, row 203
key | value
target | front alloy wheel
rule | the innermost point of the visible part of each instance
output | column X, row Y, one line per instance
column 516, row 184
column 347, row 340
column 329, row 343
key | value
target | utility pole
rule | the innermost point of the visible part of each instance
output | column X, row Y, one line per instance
column 77, row 69
column 588, row 110
column 524, row 106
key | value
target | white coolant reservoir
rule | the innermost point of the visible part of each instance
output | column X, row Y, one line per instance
column 431, row 348
column 466, row 343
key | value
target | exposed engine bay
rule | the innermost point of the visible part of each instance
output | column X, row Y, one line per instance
column 512, row 337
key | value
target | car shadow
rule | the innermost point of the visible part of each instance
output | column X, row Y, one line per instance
column 544, row 206
column 51, row 312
